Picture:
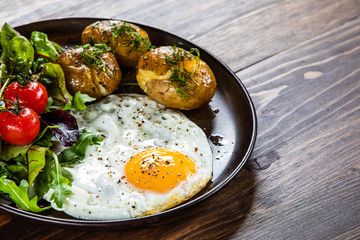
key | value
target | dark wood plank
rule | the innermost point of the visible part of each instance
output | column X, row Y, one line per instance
column 300, row 63
column 308, row 146
column 303, row 178
column 239, row 33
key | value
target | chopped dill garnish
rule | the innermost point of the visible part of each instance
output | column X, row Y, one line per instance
column 91, row 57
column 135, row 40
column 179, row 74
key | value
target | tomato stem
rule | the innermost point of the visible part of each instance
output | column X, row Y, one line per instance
column 4, row 87
column 17, row 108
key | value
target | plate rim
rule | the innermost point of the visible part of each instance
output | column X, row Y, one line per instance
column 155, row 217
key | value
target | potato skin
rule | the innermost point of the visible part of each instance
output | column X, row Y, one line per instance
column 153, row 76
column 89, row 79
column 103, row 32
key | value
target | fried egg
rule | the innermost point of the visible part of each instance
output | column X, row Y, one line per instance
column 151, row 159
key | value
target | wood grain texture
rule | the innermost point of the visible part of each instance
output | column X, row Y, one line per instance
column 309, row 135
column 240, row 33
column 300, row 61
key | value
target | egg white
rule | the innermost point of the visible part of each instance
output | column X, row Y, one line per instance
column 131, row 123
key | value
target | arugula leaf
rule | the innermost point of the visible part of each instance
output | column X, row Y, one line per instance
column 58, row 183
column 76, row 153
column 35, row 161
column 48, row 105
column 79, row 100
column 19, row 194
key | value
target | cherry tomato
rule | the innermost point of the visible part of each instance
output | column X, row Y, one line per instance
column 33, row 95
column 19, row 129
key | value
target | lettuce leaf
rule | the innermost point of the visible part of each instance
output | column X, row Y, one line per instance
column 43, row 46
column 45, row 50
column 35, row 161
column 13, row 151
column 17, row 51
column 52, row 77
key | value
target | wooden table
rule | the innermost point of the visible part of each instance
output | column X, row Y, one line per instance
column 300, row 61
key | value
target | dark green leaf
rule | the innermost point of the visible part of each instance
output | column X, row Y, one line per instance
column 7, row 33
column 12, row 151
column 52, row 77
column 76, row 153
column 42, row 181
column 17, row 51
column 43, row 46
column 18, row 56
column 38, row 63
column 45, row 140
column 19, row 171
column 5, row 172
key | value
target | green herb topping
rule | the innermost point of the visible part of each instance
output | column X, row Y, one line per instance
column 179, row 74
column 91, row 57
column 134, row 41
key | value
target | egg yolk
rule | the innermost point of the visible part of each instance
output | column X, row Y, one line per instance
column 159, row 170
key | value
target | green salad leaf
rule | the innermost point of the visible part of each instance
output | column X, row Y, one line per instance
column 17, row 170
column 76, row 153
column 19, row 195
column 3, row 70
column 28, row 172
column 4, row 172
column 43, row 46
column 58, row 183
column 20, row 55
column 35, row 161
column 52, row 77
column 17, row 51
column 45, row 50
column 79, row 101
column 7, row 33
column 12, row 151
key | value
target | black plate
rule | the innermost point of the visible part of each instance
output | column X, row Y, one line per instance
column 229, row 121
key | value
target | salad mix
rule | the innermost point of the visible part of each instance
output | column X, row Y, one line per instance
column 35, row 117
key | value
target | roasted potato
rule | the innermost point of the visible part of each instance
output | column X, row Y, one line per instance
column 176, row 78
column 127, row 40
column 90, row 70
